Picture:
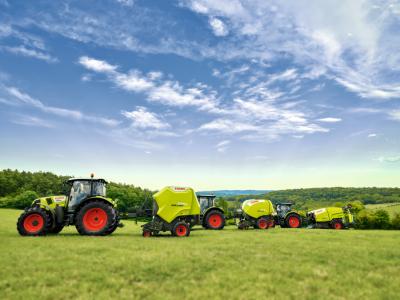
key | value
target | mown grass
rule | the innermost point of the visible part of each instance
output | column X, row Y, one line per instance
column 391, row 208
column 229, row 264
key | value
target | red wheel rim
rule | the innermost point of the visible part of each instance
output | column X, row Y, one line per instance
column 214, row 221
column 338, row 225
column 271, row 223
column 294, row 222
column 181, row 230
column 262, row 224
column 33, row 223
column 146, row 233
column 95, row 219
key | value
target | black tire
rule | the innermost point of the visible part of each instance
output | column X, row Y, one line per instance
column 293, row 221
column 110, row 224
column 38, row 215
column 262, row 223
column 212, row 218
column 177, row 229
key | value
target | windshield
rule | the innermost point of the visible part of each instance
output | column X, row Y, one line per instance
column 99, row 189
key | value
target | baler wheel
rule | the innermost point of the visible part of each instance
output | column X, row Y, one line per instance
column 181, row 229
column 146, row 233
column 336, row 224
column 262, row 223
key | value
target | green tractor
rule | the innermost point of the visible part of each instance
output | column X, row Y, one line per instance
column 331, row 217
column 256, row 213
column 177, row 209
column 85, row 206
column 287, row 218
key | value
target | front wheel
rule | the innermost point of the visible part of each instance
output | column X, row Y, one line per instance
column 33, row 222
column 215, row 220
column 293, row 221
column 96, row 218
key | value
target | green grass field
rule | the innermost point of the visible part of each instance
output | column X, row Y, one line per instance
column 391, row 208
column 228, row 264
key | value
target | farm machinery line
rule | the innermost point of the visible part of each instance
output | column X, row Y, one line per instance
column 175, row 209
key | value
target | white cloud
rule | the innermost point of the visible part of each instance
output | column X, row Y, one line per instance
column 142, row 118
column 372, row 135
column 227, row 126
column 222, row 146
column 394, row 114
column 389, row 159
column 219, row 28
column 128, row 3
column 32, row 121
column 22, row 50
column 97, row 65
column 28, row 45
column 23, row 98
column 167, row 92
column 330, row 120
column 359, row 52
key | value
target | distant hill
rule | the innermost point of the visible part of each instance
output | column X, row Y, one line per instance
column 229, row 193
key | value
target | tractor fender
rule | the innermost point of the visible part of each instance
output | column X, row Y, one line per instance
column 95, row 198
column 208, row 210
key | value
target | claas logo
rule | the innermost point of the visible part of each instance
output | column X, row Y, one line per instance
column 180, row 189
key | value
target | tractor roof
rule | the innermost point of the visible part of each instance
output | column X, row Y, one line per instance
column 71, row 180
column 206, row 195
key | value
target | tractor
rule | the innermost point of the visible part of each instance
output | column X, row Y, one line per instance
column 177, row 209
column 211, row 216
column 286, row 217
column 331, row 217
column 85, row 206
column 256, row 213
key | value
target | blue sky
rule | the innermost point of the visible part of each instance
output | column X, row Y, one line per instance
column 210, row 94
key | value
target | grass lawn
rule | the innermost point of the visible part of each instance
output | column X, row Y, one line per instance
column 229, row 264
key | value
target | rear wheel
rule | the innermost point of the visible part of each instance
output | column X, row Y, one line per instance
column 215, row 220
column 96, row 218
column 33, row 222
column 337, row 224
column 293, row 221
column 262, row 223
column 181, row 229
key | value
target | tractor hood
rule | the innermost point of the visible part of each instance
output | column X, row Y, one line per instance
column 51, row 201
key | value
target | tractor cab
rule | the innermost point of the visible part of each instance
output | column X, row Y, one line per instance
column 283, row 208
column 206, row 201
column 83, row 188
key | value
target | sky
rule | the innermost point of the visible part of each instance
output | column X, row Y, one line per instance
column 208, row 94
